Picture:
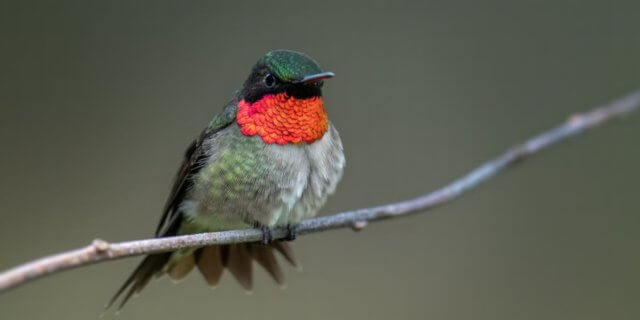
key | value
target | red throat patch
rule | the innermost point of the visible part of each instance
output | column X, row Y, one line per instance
column 280, row 118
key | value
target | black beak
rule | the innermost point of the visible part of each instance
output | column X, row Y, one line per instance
column 313, row 78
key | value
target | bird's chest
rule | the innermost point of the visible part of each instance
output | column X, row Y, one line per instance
column 269, row 184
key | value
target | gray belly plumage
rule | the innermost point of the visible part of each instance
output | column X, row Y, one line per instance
column 246, row 181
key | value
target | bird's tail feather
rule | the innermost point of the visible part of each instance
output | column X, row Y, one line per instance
column 150, row 266
column 238, row 259
column 211, row 262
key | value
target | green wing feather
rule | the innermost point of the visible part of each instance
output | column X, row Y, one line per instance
column 170, row 222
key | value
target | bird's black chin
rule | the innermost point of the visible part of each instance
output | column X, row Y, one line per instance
column 298, row 91
column 304, row 91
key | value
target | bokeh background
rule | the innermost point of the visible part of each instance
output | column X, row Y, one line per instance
column 99, row 99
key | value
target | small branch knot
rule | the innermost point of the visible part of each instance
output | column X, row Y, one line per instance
column 521, row 152
column 100, row 245
column 359, row 225
column 576, row 120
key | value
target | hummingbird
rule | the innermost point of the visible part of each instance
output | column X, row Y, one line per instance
column 269, row 159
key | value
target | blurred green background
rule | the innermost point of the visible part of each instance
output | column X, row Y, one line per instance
column 99, row 100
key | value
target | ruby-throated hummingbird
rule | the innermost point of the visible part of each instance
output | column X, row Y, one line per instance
column 269, row 159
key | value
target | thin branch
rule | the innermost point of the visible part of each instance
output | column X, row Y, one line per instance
column 100, row 251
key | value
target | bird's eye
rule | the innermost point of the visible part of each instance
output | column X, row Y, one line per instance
column 269, row 80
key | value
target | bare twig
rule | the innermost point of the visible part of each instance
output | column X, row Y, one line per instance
column 100, row 251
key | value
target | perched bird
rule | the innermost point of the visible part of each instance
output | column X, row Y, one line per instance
column 269, row 159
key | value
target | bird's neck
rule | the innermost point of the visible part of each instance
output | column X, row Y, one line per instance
column 280, row 118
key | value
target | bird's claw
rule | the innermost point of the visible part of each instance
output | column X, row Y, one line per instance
column 266, row 236
column 291, row 232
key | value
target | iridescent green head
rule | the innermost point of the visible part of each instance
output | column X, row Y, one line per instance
column 284, row 70
column 289, row 65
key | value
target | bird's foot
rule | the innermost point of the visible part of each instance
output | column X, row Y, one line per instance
column 291, row 232
column 266, row 236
